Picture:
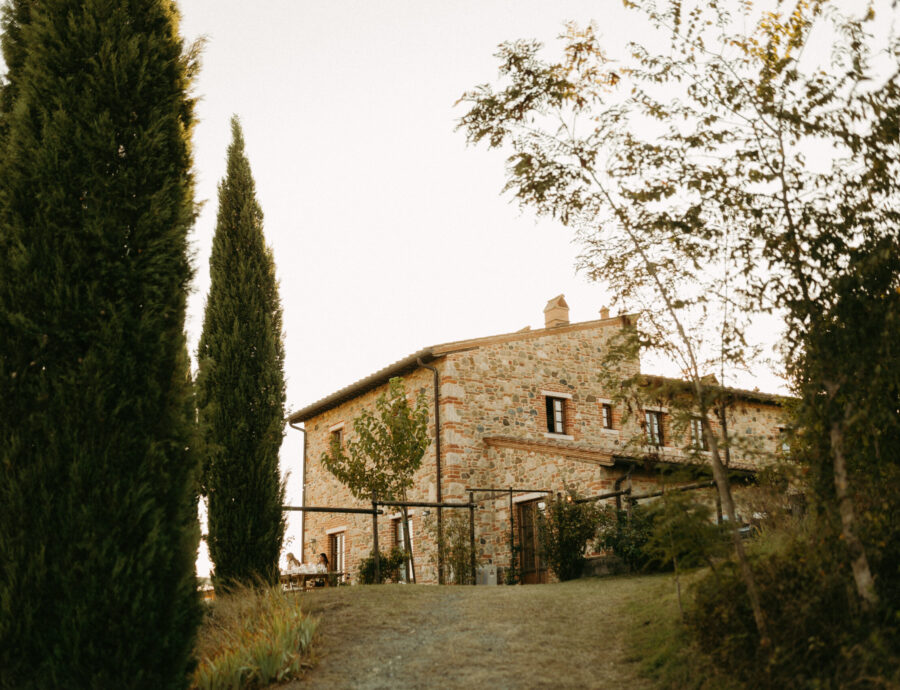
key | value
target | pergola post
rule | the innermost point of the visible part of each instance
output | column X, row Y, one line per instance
column 377, row 554
column 472, row 532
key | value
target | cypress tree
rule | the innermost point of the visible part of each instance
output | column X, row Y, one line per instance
column 98, row 527
column 241, row 388
column 14, row 18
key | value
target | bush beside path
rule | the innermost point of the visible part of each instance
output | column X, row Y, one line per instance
column 571, row 634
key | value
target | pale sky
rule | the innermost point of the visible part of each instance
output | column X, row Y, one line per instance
column 389, row 233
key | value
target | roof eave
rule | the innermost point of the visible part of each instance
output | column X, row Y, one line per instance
column 399, row 368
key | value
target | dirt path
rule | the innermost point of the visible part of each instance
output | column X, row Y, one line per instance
column 393, row 636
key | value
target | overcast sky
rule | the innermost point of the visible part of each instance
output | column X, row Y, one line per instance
column 389, row 233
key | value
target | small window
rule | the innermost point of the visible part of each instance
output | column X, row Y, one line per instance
column 606, row 415
column 336, row 547
column 784, row 441
column 556, row 415
column 337, row 437
column 653, row 427
column 698, row 438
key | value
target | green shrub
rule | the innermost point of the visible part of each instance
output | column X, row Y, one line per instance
column 662, row 645
column 818, row 636
column 565, row 529
column 627, row 538
column 682, row 533
column 511, row 575
column 251, row 638
column 390, row 566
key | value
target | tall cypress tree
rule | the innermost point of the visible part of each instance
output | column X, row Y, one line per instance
column 98, row 528
column 241, row 387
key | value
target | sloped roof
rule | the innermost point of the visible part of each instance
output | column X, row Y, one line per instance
column 410, row 363
column 427, row 355
column 738, row 393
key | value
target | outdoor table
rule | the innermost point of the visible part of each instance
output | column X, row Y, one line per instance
column 302, row 579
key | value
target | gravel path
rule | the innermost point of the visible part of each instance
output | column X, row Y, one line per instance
column 565, row 635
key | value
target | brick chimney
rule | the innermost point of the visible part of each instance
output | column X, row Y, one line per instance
column 556, row 313
column 604, row 313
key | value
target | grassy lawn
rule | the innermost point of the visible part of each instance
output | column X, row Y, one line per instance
column 572, row 634
column 591, row 633
column 658, row 644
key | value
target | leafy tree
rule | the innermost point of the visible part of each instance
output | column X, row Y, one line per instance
column 386, row 452
column 565, row 528
column 729, row 175
column 98, row 522
column 241, row 385
column 575, row 158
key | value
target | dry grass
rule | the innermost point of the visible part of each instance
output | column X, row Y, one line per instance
column 562, row 635
column 252, row 637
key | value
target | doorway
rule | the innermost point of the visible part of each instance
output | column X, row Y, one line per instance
column 534, row 568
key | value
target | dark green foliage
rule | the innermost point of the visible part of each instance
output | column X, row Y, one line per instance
column 627, row 538
column 390, row 566
column 565, row 529
column 851, row 383
column 683, row 533
column 241, row 386
column 818, row 638
column 98, row 523
column 512, row 574
column 678, row 526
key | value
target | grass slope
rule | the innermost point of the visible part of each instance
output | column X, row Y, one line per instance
column 571, row 634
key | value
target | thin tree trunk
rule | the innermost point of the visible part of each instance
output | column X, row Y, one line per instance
column 678, row 586
column 408, row 543
column 862, row 575
column 724, row 489
column 719, row 473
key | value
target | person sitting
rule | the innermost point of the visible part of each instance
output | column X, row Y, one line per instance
column 322, row 567
column 293, row 567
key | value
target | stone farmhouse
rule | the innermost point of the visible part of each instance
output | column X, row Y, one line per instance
column 524, row 410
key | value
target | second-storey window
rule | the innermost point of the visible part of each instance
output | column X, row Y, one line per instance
column 606, row 415
column 556, row 415
column 337, row 437
column 784, row 438
column 698, row 439
column 653, row 427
